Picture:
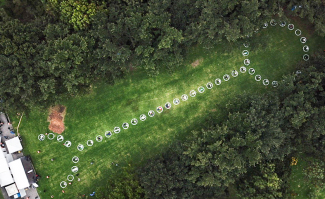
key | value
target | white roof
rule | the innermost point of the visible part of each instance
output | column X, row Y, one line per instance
column 14, row 145
column 11, row 190
column 2, row 154
column 9, row 158
column 6, row 178
column 3, row 164
column 19, row 174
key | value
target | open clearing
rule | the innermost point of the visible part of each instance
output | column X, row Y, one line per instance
column 109, row 106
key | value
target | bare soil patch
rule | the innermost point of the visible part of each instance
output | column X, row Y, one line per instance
column 56, row 118
column 196, row 62
column 302, row 23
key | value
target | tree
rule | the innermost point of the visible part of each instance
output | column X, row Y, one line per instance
column 165, row 177
column 77, row 13
column 261, row 182
column 124, row 185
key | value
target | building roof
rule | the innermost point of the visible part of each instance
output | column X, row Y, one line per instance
column 11, row 190
column 6, row 178
column 19, row 174
column 14, row 145
column 3, row 164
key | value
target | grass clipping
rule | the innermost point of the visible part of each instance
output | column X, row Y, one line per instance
column 56, row 118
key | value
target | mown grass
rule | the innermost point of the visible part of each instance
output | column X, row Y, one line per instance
column 108, row 106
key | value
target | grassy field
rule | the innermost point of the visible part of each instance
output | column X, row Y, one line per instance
column 300, row 186
column 108, row 106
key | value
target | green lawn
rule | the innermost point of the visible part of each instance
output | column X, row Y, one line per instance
column 300, row 186
column 108, row 106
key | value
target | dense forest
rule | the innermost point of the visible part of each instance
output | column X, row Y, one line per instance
column 53, row 49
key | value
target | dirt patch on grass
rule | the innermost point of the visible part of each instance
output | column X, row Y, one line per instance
column 303, row 23
column 56, row 118
column 196, row 62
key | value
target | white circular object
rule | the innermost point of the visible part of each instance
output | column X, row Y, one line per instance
column 192, row 93
column 303, row 40
column 117, row 130
column 90, row 143
column 234, row 73
column 60, row 138
column 305, row 48
column 298, row 32
column 184, row 97
column 176, row 101
column 67, row 143
column 74, row 169
column 226, row 77
column 159, row 109
column 246, row 44
column 63, row 184
column 305, row 57
column 41, row 137
column 243, row 69
column 273, row 22
column 265, row 25
column 99, row 138
column 251, row 71
column 70, row 178
column 247, row 62
column 217, row 81
column 266, row 82
column 80, row 147
column 245, row 52
column 125, row 125
column 151, row 113
column 108, row 134
column 51, row 136
column 291, row 27
column 201, row 89
column 134, row 121
column 274, row 83
column 209, row 85
column 143, row 117
column 258, row 78
column 75, row 159
column 168, row 105
column 282, row 24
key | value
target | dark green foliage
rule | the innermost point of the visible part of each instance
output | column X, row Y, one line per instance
column 124, row 185
column 19, row 55
column 303, row 105
column 167, row 176
column 313, row 10
column 261, row 181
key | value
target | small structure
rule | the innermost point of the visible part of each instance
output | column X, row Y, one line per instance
column 19, row 174
column 5, row 175
column 14, row 145
column 11, row 190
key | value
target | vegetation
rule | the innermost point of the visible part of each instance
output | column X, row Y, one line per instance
column 58, row 48
column 236, row 140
